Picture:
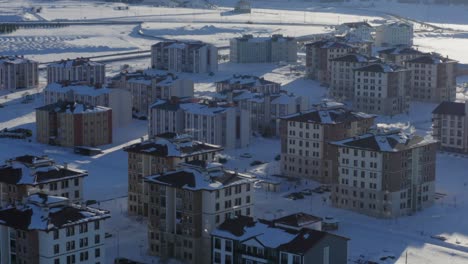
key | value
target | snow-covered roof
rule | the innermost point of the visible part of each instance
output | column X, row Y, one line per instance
column 68, row 63
column 14, row 60
column 204, row 109
column 381, row 67
column 246, row 81
column 81, row 89
column 432, row 58
column 73, row 108
column 45, row 213
column 332, row 115
column 355, row 57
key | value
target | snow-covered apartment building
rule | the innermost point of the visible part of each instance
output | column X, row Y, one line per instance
column 184, row 56
column 433, row 78
column 381, row 88
column 286, row 240
column 250, row 49
column 79, row 69
column 50, row 230
column 247, row 82
column 160, row 154
column 119, row 100
column 398, row 55
column 393, row 34
column 362, row 30
column 319, row 54
column 450, row 126
column 25, row 175
column 342, row 74
column 187, row 204
column 384, row 173
column 305, row 136
column 72, row 124
column 18, row 73
column 148, row 86
column 211, row 122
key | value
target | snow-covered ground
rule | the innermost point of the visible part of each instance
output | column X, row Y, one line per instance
column 107, row 181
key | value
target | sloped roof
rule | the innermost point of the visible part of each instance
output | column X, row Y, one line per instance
column 450, row 108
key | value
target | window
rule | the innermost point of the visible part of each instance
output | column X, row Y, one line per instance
column 97, row 239
column 97, row 252
column 71, row 259
column 228, row 245
column 84, row 256
column 56, row 234
column 57, row 261
column 96, row 225
column 77, row 181
column 56, row 249
column 83, row 228
column 217, row 243
column 70, row 231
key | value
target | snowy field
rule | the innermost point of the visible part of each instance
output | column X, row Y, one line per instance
column 407, row 236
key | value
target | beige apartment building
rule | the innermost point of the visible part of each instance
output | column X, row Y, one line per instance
column 148, row 86
column 384, row 173
column 250, row 49
column 71, row 124
column 25, row 175
column 79, row 69
column 187, row 204
column 342, row 74
column 159, row 155
column 319, row 54
column 433, row 78
column 18, row 73
column 382, row 89
column 450, row 126
column 305, row 136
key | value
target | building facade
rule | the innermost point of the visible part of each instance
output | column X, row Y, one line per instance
column 187, row 204
column 248, row 82
column 274, row 49
column 79, row 69
column 156, row 156
column 342, row 74
column 450, row 126
column 393, row 34
column 184, row 56
column 71, row 124
column 433, row 78
column 382, row 89
column 384, row 174
column 399, row 55
column 305, row 136
column 18, row 73
column 59, row 232
column 26, row 175
column 362, row 30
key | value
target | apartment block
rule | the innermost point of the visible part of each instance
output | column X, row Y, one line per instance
column 250, row 49
column 362, row 30
column 342, row 74
column 305, row 136
column 48, row 229
column 159, row 155
column 280, row 241
column 266, row 109
column 184, row 56
column 399, row 55
column 148, row 86
column 25, row 175
column 187, row 204
column 119, row 100
column 212, row 122
column 319, row 54
column 248, row 82
column 433, row 78
column 18, row 73
column 394, row 34
column 386, row 173
column 381, row 88
column 450, row 126
column 79, row 69
column 71, row 124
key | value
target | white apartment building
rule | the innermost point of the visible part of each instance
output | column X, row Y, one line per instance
column 148, row 86
column 248, row 82
column 250, row 49
column 49, row 230
column 362, row 30
column 79, row 69
column 319, row 54
column 342, row 74
column 266, row 109
column 25, row 175
column 450, row 126
column 211, row 122
column 187, row 204
column 18, row 73
column 382, row 89
column 433, row 78
column 184, row 56
column 399, row 55
column 305, row 136
column 393, row 34
column 119, row 100
column 385, row 173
